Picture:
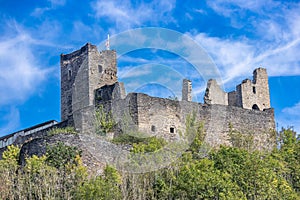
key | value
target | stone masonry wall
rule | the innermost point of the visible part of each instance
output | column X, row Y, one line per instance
column 102, row 70
column 166, row 118
column 186, row 90
column 214, row 94
column 82, row 72
column 70, row 65
column 255, row 94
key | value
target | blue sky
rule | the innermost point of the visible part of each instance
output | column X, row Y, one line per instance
column 238, row 35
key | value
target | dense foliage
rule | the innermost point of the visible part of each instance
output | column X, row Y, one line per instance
column 224, row 173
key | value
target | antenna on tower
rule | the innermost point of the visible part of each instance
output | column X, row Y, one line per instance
column 107, row 44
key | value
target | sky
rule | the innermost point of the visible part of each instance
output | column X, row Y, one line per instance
column 237, row 36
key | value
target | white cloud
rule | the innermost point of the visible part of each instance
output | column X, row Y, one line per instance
column 290, row 116
column 293, row 111
column 20, row 73
column 233, row 57
column 54, row 4
column 126, row 15
column 237, row 57
column 274, row 42
column 133, row 72
column 11, row 119
column 229, row 7
column 57, row 2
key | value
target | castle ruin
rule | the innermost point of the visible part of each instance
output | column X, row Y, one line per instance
column 89, row 79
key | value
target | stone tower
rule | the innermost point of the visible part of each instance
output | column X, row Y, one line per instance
column 254, row 94
column 82, row 72
column 250, row 94
column 186, row 90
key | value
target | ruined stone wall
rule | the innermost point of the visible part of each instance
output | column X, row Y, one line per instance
column 232, row 98
column 70, row 65
column 158, row 116
column 250, row 94
column 37, row 131
column 166, row 118
column 82, row 72
column 252, row 122
column 102, row 70
column 214, row 94
column 260, row 79
column 255, row 94
column 186, row 90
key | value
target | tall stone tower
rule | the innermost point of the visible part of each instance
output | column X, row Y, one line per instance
column 82, row 72
column 186, row 90
column 254, row 94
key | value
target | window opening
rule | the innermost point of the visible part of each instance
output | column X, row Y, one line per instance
column 100, row 68
column 255, row 107
column 254, row 90
column 69, row 74
column 153, row 128
column 172, row 130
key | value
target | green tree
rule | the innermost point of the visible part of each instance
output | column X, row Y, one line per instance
column 151, row 144
column 257, row 174
column 102, row 187
column 289, row 151
column 8, row 171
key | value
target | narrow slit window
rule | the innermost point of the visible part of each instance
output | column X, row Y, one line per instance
column 69, row 74
column 254, row 90
column 100, row 69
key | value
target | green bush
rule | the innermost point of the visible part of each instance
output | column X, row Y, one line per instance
column 104, row 122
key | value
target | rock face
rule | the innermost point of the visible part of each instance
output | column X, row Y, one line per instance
column 96, row 152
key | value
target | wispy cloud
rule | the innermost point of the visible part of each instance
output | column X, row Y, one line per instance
column 273, row 41
column 290, row 116
column 125, row 14
column 231, row 7
column 20, row 74
column 53, row 5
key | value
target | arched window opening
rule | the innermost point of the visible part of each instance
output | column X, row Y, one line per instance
column 255, row 107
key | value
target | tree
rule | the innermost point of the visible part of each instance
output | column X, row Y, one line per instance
column 102, row 187
column 289, row 151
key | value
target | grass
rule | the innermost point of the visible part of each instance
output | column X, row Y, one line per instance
column 66, row 130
